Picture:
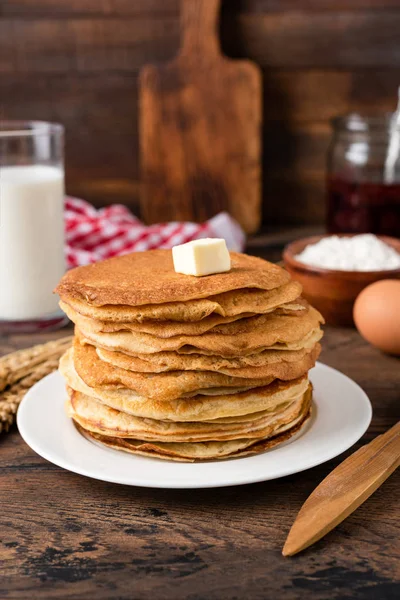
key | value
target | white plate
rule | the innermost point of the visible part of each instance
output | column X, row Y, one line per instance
column 342, row 413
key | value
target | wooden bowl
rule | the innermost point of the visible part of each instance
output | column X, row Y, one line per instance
column 333, row 292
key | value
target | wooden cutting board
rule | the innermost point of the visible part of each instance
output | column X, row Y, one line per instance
column 200, row 128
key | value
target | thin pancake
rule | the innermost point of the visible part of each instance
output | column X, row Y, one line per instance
column 149, row 278
column 163, row 386
column 228, row 304
column 237, row 419
column 305, row 343
column 252, row 365
column 197, row 408
column 234, row 339
column 200, row 451
column 175, row 384
column 166, row 329
column 97, row 417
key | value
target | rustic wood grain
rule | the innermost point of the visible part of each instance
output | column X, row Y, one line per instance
column 288, row 199
column 55, row 8
column 344, row 490
column 127, row 7
column 352, row 39
column 364, row 38
column 77, row 62
column 200, row 129
column 84, row 45
column 316, row 95
column 320, row 5
column 66, row 536
column 99, row 112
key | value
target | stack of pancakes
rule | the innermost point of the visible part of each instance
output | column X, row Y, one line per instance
column 188, row 368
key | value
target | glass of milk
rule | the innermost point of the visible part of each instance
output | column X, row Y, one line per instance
column 31, row 225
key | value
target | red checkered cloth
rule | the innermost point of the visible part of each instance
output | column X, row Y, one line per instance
column 93, row 235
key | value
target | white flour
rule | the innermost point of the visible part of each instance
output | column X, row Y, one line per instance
column 358, row 253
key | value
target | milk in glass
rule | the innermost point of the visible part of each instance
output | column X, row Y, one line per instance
column 31, row 240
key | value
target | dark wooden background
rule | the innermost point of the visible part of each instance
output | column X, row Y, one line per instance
column 77, row 62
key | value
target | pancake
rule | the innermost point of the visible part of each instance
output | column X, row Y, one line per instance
column 149, row 278
column 236, row 419
column 99, row 418
column 305, row 343
column 228, row 304
column 158, row 328
column 200, row 451
column 252, row 365
column 239, row 338
column 166, row 329
column 162, row 386
column 175, row 384
column 196, row 408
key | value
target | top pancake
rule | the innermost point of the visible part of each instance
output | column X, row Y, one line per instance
column 149, row 277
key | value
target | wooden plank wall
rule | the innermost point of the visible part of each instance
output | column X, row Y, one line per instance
column 77, row 62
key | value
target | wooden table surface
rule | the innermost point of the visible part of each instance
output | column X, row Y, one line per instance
column 70, row 537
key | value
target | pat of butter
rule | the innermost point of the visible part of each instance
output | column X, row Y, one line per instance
column 202, row 257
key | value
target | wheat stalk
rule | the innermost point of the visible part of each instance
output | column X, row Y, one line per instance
column 11, row 398
column 20, row 370
column 19, row 364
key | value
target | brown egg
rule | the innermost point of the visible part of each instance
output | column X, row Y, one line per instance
column 377, row 315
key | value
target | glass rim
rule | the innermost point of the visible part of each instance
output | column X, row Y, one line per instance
column 21, row 128
column 356, row 122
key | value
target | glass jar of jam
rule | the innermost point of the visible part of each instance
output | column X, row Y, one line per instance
column 363, row 185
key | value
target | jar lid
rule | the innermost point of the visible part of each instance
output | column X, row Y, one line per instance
column 365, row 123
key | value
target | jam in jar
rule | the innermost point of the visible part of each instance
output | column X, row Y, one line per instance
column 363, row 184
